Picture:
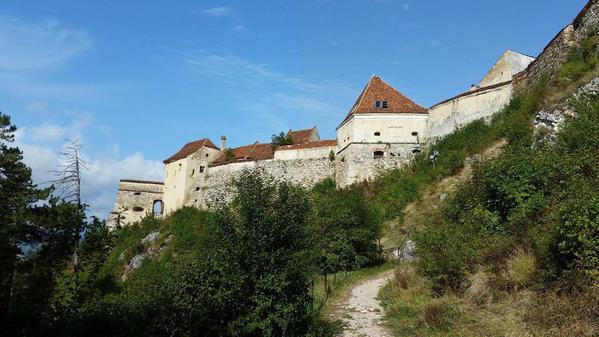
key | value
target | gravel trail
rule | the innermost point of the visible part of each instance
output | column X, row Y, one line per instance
column 362, row 313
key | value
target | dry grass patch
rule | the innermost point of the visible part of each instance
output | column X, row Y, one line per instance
column 478, row 291
column 434, row 314
column 572, row 314
column 521, row 267
column 402, row 277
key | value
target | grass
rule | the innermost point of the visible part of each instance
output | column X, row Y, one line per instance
column 417, row 311
column 503, row 289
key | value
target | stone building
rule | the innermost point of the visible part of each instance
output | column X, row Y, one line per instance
column 481, row 101
column 383, row 130
column 136, row 199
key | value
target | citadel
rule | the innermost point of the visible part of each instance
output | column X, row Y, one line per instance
column 383, row 130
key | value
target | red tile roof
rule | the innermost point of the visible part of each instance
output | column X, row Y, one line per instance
column 252, row 152
column 378, row 90
column 308, row 145
column 189, row 149
column 301, row 136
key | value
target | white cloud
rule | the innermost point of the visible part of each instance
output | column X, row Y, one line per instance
column 37, row 106
column 42, row 144
column 273, row 97
column 238, row 28
column 100, row 179
column 32, row 46
column 19, row 84
column 103, row 174
column 47, row 133
column 218, row 11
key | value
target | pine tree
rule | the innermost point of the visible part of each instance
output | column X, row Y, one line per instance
column 17, row 192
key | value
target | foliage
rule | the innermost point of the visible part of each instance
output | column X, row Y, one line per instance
column 244, row 270
column 281, row 139
column 345, row 229
column 39, row 237
column 533, row 195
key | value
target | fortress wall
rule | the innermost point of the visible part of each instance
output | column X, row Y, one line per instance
column 357, row 162
column 308, row 153
column 302, row 172
column 448, row 116
column 134, row 200
column 556, row 52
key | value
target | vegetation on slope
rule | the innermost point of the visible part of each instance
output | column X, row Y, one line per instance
column 515, row 250
column 246, row 269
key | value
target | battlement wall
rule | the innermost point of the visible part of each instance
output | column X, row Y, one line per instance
column 302, row 172
column 556, row 52
column 456, row 112
column 135, row 199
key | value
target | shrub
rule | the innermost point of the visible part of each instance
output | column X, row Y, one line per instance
column 402, row 278
column 578, row 239
column 478, row 291
column 344, row 227
column 434, row 314
column 521, row 267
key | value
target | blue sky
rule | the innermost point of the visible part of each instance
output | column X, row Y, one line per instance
column 135, row 80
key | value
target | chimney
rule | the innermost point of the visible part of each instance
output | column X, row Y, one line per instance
column 223, row 143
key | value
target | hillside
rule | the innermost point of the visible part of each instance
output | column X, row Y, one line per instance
column 492, row 230
column 510, row 249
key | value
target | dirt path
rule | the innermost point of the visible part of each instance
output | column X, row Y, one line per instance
column 361, row 312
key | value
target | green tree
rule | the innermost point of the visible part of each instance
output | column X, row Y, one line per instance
column 264, row 232
column 281, row 139
column 17, row 193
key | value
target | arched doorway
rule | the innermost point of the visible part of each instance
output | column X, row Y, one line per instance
column 157, row 207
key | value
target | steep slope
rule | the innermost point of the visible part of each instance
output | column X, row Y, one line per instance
column 512, row 250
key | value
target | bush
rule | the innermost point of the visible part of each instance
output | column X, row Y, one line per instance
column 434, row 315
column 402, row 278
column 344, row 227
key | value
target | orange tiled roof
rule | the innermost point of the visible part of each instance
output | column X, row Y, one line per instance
column 308, row 145
column 379, row 90
column 301, row 136
column 255, row 151
column 189, row 149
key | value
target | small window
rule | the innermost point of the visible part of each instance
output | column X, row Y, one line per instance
column 180, row 167
column 377, row 133
column 201, row 169
column 414, row 133
column 137, row 193
column 378, row 154
column 378, row 104
column 416, row 151
column 385, row 105
column 138, row 209
column 158, row 207
column 193, row 172
column 206, row 154
column 197, row 189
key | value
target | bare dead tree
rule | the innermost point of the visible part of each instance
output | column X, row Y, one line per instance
column 68, row 176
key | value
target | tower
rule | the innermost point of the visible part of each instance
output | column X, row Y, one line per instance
column 381, row 131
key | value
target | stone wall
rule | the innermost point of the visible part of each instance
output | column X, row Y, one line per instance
column 304, row 153
column 135, row 200
column 302, row 172
column 556, row 52
column 358, row 162
column 448, row 116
